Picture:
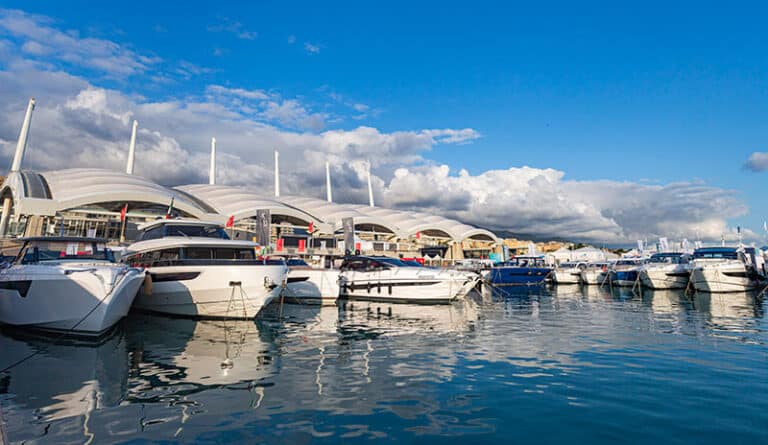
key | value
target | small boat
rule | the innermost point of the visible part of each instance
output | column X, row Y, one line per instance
column 197, row 271
column 375, row 278
column 667, row 270
column 310, row 285
column 594, row 273
column 520, row 271
column 67, row 284
column 568, row 273
column 625, row 272
column 725, row 269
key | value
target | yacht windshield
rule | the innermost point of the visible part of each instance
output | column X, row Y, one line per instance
column 37, row 251
column 394, row 262
column 716, row 253
column 195, row 231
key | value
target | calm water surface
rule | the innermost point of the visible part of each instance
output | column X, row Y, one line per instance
column 566, row 364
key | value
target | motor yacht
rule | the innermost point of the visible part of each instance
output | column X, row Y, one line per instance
column 625, row 272
column 68, row 284
column 195, row 270
column 666, row 270
column 390, row 279
column 568, row 273
column 521, row 270
column 725, row 269
column 594, row 273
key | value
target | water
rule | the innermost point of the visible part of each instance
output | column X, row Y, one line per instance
column 568, row 364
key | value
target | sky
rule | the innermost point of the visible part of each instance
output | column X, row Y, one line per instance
column 588, row 122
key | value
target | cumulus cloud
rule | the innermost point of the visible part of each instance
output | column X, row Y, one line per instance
column 757, row 162
column 541, row 203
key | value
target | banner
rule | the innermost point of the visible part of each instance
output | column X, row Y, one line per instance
column 263, row 227
column 348, row 227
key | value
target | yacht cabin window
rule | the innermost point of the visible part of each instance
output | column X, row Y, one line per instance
column 43, row 250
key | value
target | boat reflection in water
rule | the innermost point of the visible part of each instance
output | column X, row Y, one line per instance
column 59, row 391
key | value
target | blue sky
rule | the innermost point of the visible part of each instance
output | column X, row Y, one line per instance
column 651, row 95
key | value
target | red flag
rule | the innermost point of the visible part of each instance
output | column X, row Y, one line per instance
column 123, row 211
column 418, row 235
column 231, row 221
column 311, row 227
column 279, row 244
column 302, row 245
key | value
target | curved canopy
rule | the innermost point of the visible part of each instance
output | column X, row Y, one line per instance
column 243, row 203
column 49, row 192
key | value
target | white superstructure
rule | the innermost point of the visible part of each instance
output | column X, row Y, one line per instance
column 197, row 271
column 67, row 284
column 306, row 284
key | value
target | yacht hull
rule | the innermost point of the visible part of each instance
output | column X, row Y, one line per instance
column 78, row 300
column 517, row 276
column 411, row 285
column 237, row 292
column 722, row 278
column 312, row 286
column 566, row 276
column 665, row 278
column 592, row 276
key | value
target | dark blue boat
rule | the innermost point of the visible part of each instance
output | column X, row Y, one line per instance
column 520, row 271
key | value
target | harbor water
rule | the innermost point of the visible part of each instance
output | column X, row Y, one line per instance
column 568, row 364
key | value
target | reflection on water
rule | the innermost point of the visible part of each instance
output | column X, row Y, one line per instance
column 600, row 360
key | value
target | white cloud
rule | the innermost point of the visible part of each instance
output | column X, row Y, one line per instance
column 39, row 38
column 312, row 48
column 233, row 27
column 757, row 162
column 291, row 39
column 541, row 203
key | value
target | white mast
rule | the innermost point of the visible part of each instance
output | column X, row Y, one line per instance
column 370, row 187
column 277, row 174
column 212, row 171
column 328, row 181
column 132, row 149
column 21, row 146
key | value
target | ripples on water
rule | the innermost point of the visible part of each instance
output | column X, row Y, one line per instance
column 546, row 366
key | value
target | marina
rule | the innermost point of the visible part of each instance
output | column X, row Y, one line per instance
column 411, row 223
column 593, row 358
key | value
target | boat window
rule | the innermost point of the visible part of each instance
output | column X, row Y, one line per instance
column 203, row 231
column 296, row 262
column 198, row 253
column 220, row 253
column 393, row 262
column 356, row 264
column 36, row 251
column 153, row 233
column 724, row 254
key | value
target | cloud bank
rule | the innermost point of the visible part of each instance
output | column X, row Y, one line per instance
column 79, row 123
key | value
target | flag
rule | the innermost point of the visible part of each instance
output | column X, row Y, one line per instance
column 418, row 235
column 170, row 208
column 302, row 245
column 311, row 228
column 123, row 212
column 279, row 244
column 231, row 221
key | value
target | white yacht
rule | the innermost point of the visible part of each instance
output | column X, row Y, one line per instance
column 390, row 279
column 568, row 273
column 725, row 269
column 310, row 285
column 197, row 271
column 67, row 284
column 667, row 270
column 594, row 273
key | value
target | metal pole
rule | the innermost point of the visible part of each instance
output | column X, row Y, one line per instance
column 212, row 172
column 132, row 149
